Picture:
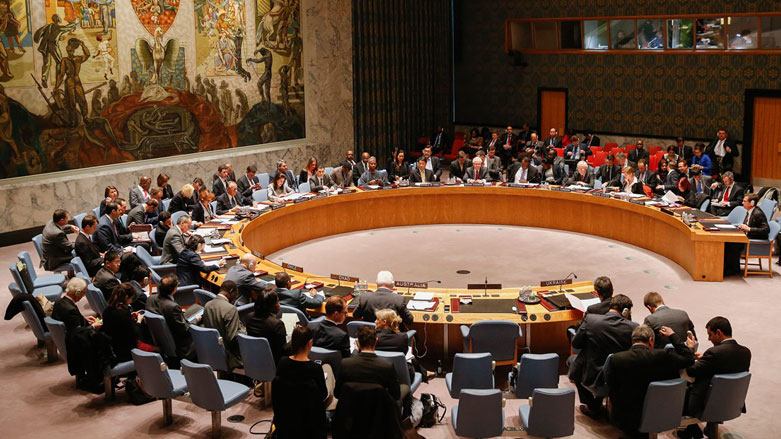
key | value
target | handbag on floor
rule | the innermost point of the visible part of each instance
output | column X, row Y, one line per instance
column 431, row 406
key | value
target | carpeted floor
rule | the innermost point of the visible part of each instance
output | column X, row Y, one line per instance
column 40, row 399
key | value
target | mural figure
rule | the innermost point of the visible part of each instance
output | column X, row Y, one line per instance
column 6, row 124
column 104, row 53
column 219, row 37
column 157, row 56
column 264, row 82
column 47, row 37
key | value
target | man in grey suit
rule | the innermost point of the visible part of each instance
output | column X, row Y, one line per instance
column 144, row 213
column 173, row 244
column 56, row 246
column 662, row 315
column 342, row 176
column 582, row 177
column 222, row 315
column 296, row 298
column 248, row 182
column 282, row 168
column 477, row 172
column 700, row 184
column 536, row 145
column 383, row 298
column 493, row 163
column 320, row 181
column 372, row 175
column 140, row 193
column 242, row 274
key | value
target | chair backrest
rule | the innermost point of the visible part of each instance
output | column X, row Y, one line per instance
column 775, row 227
column 14, row 289
column 77, row 219
column 480, row 413
column 663, row 405
column 352, row 327
column 156, row 248
column 472, row 371
column 146, row 257
column 166, row 204
column 176, row 215
column 304, row 187
column 29, row 315
column 58, row 332
column 302, row 318
column 123, row 219
column 726, row 397
column 737, row 215
column 257, row 357
column 213, row 204
column 38, row 244
column 260, row 195
column 264, row 180
column 768, row 206
column 209, row 347
column 96, row 299
column 328, row 170
column 495, row 336
column 537, row 371
column 23, row 282
column 80, row 268
column 552, row 413
column 327, row 356
column 161, row 335
column 204, row 390
column 245, row 310
column 202, row 296
column 704, row 206
column 151, row 369
column 399, row 364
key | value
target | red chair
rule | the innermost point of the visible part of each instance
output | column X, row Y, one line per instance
column 596, row 149
column 460, row 135
column 652, row 150
column 600, row 158
column 610, row 145
column 653, row 162
column 422, row 142
column 559, row 152
column 660, row 155
column 616, row 150
column 457, row 145
column 630, row 147
column 591, row 160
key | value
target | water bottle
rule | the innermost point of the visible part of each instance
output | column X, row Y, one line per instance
column 439, row 367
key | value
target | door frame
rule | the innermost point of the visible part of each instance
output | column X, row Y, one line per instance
column 539, row 108
column 748, row 125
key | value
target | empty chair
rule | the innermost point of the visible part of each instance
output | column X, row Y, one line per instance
column 536, row 371
column 202, row 296
column 470, row 371
column 166, row 204
column 551, row 414
column 152, row 261
column 304, row 188
column 704, row 206
column 327, row 356
column 725, row 401
column 479, row 413
column 14, row 289
column 768, row 206
column 159, row 381
column 80, row 269
column 96, row 299
column 761, row 249
column 245, row 310
column 303, row 319
column 24, row 282
column 184, row 293
column 352, row 327
column 399, row 362
column 260, row 195
column 209, row 393
column 40, row 333
column 58, row 332
column 161, row 335
column 209, row 347
column 213, row 204
column 258, row 362
column 109, row 373
column 77, row 219
column 156, row 249
column 263, row 178
column 38, row 244
column 96, row 212
column 495, row 336
column 737, row 215
column 662, row 406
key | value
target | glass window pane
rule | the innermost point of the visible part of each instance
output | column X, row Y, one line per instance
column 622, row 34
column 650, row 33
column 742, row 32
column 595, row 34
column 771, row 32
column 570, row 35
column 680, row 33
column 710, row 33
column 520, row 35
column 545, row 35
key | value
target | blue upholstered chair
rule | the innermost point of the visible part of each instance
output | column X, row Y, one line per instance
column 303, row 319
column 470, row 371
column 51, row 292
column 662, row 406
column 40, row 281
column 38, row 243
column 209, row 393
column 352, row 327
column 768, row 207
column 402, row 372
column 304, row 188
column 327, row 356
column 14, row 289
column 479, row 413
column 96, row 212
column 536, row 371
column 260, row 195
column 58, row 332
column 760, row 249
column 737, row 215
column 80, row 269
column 166, row 204
column 209, row 347
column 96, row 299
column 78, row 218
column 109, row 373
column 497, row 337
column 159, row 381
column 550, row 413
column 258, row 362
column 161, row 335
column 203, row 297
column 264, row 180
column 245, row 310
column 725, row 401
column 41, row 334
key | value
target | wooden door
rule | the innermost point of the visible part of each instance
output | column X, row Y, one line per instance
column 766, row 142
column 553, row 111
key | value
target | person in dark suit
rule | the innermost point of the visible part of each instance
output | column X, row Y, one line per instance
column 85, row 248
column 383, row 298
column 630, row 184
column 342, row 176
column 591, row 139
column 662, row 315
column 173, row 244
column 164, row 304
column 144, row 213
column 263, row 322
column 726, row 356
column 687, row 196
column 630, row 372
column 390, row 339
column 459, row 166
column 603, row 286
column 700, row 184
column 366, row 367
column 109, row 195
column 509, row 147
column 139, row 194
column 493, row 141
column 575, row 151
column 106, row 278
column 553, row 140
column 231, row 199
column 360, row 167
column 320, row 181
column 249, row 182
column 308, row 171
column 597, row 337
column 326, row 333
column 638, row 153
column 108, row 237
column 163, row 226
column 398, row 169
column 420, row 174
column 440, row 141
column 582, row 177
column 432, row 163
column 189, row 265
column 183, row 200
column 609, row 173
column 121, row 323
column 296, row 298
column 162, row 183
column 755, row 224
column 644, row 175
column 722, row 152
column 56, row 246
column 725, row 196
column 372, row 175
column 220, row 184
column 203, row 211
column 551, row 173
column 477, row 172
column 683, row 151
column 242, row 274
column 523, row 172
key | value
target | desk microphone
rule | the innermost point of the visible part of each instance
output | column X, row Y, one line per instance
column 567, row 277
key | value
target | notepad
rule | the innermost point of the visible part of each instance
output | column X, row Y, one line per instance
column 420, row 305
column 211, row 249
column 579, row 304
column 425, row 296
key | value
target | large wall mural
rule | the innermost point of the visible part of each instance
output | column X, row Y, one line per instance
column 99, row 83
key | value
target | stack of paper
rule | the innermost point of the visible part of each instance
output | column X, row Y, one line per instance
column 581, row 305
column 420, row 305
column 211, row 249
column 420, row 295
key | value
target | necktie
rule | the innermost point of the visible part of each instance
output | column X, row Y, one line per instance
column 748, row 214
column 423, row 176
column 726, row 194
column 509, row 137
column 233, row 202
column 523, row 174
column 319, row 181
column 146, row 197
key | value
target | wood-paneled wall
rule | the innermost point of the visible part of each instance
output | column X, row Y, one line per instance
column 766, row 144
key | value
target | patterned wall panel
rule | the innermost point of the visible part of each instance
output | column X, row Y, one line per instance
column 652, row 94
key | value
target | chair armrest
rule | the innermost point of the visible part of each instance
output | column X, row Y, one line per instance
column 411, row 333
column 520, row 332
column 464, row 331
column 165, row 267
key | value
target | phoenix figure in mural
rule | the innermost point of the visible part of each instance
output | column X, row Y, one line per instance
column 156, row 56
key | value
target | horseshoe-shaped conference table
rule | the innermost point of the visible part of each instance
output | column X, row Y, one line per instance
column 699, row 252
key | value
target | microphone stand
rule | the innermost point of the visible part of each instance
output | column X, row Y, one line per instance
column 571, row 274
